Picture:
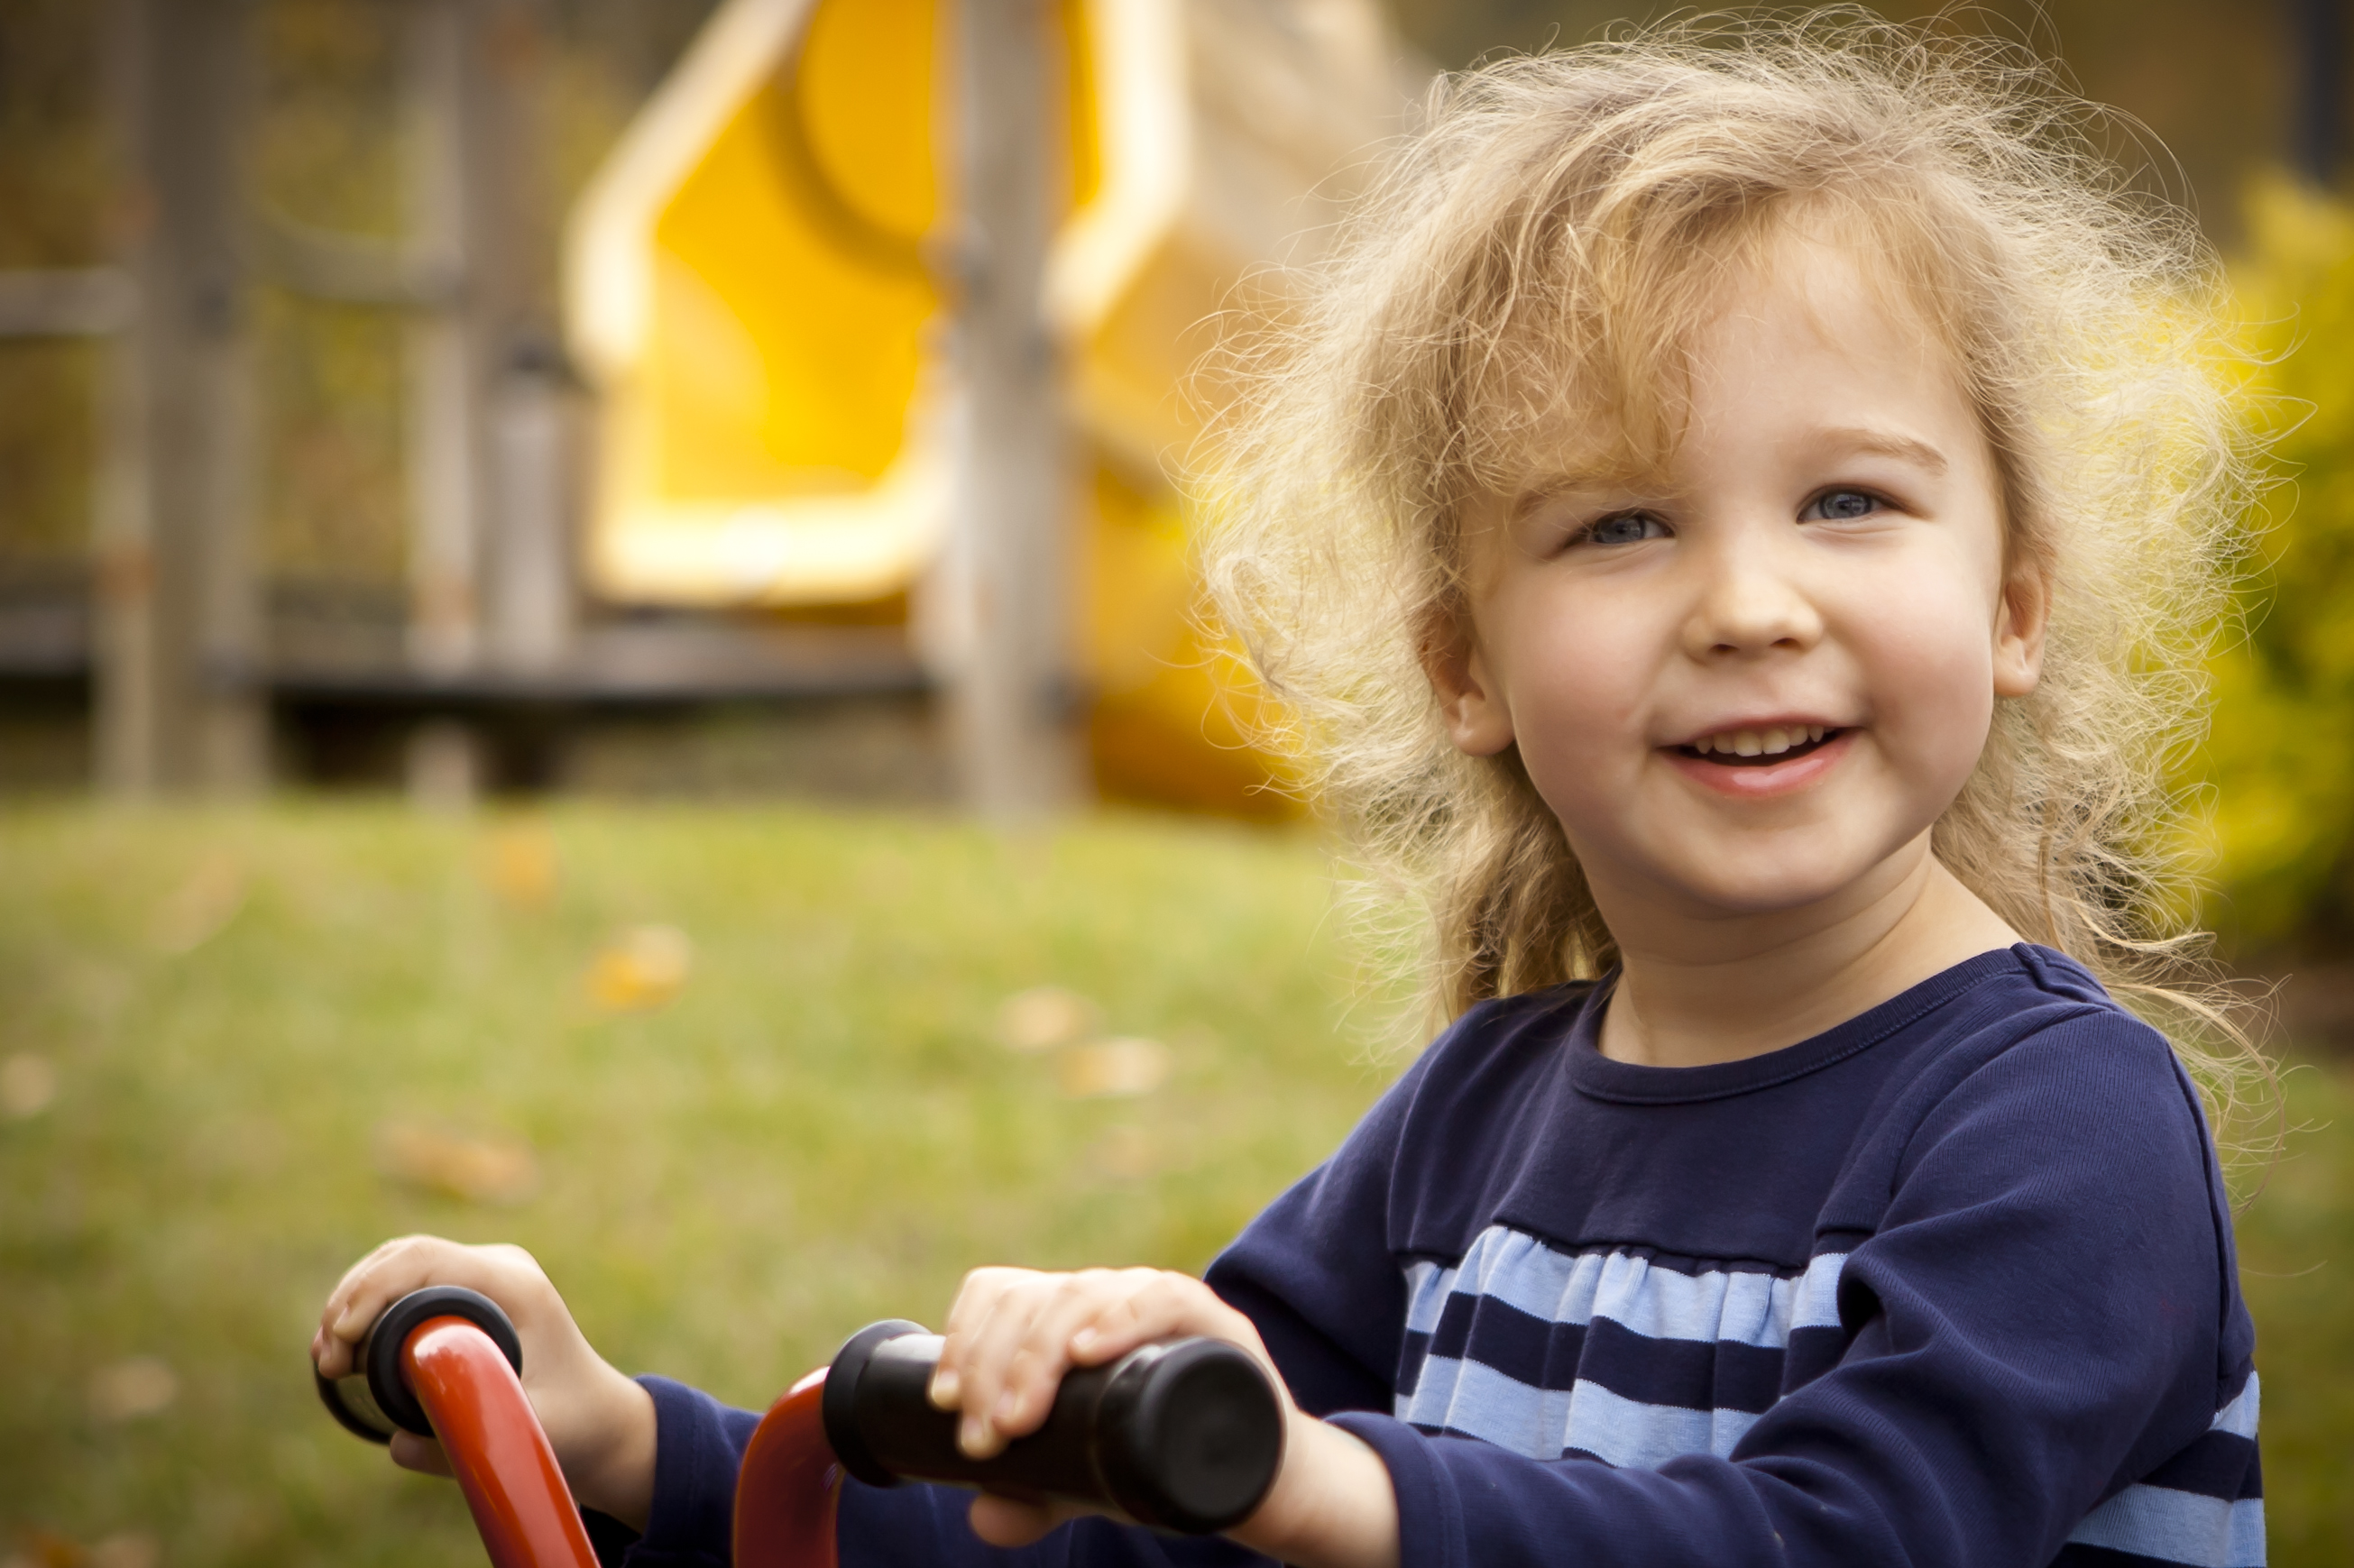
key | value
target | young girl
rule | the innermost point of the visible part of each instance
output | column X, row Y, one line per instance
column 1733, row 527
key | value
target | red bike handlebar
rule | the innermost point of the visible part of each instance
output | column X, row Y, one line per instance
column 1186, row 1434
column 444, row 1361
column 504, row 1463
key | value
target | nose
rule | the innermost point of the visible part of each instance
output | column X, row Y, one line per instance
column 1749, row 601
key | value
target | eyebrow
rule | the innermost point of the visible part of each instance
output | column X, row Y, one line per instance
column 1886, row 443
column 1535, row 497
column 1844, row 439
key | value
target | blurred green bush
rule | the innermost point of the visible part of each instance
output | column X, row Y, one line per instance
column 2279, row 759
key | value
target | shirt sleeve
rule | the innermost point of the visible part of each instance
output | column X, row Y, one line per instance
column 699, row 1446
column 2037, row 1321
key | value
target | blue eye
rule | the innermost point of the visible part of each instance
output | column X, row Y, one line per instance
column 1625, row 528
column 1840, row 506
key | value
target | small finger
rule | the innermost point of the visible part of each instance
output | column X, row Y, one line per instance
column 986, row 1367
column 1130, row 1316
column 373, row 1284
column 1008, row 1521
column 976, row 1297
column 1145, row 1310
column 1045, row 1353
column 976, row 1293
column 328, row 1355
column 339, row 1300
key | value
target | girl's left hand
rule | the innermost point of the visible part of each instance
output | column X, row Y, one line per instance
column 1012, row 1333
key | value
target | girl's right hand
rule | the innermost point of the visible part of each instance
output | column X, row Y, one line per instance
column 600, row 1424
column 1012, row 1333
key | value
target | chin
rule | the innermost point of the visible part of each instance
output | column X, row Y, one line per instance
column 1767, row 887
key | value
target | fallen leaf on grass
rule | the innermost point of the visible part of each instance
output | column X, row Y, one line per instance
column 201, row 907
column 477, row 1171
column 143, row 1385
column 127, row 1548
column 1108, row 1068
column 27, row 1085
column 639, row 969
column 1126, row 1151
column 40, row 1549
column 1044, row 1017
column 520, row 865
column 124, row 1549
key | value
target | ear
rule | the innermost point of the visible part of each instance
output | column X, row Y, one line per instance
column 2020, row 621
column 1473, row 707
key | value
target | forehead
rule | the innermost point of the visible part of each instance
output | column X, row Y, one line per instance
column 1813, row 337
column 1805, row 294
column 1801, row 322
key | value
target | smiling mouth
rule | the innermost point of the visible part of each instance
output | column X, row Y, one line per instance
column 1761, row 747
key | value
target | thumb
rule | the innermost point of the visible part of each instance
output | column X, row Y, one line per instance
column 422, row 1455
column 1010, row 1521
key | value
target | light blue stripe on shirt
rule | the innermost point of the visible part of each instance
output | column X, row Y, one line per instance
column 2178, row 1527
column 2239, row 1417
column 2187, row 1527
column 1660, row 1303
column 1478, row 1402
column 1720, row 1304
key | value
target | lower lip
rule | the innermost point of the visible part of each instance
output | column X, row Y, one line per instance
column 1752, row 782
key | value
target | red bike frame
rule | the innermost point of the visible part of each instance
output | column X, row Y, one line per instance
column 785, row 1495
column 504, row 1465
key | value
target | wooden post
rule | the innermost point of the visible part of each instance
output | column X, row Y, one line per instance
column 178, row 701
column 488, row 568
column 2317, row 35
column 528, row 493
column 532, row 604
column 444, row 387
column 1013, row 707
column 123, row 658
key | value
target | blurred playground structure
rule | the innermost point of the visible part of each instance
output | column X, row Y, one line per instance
column 865, row 380
column 614, row 394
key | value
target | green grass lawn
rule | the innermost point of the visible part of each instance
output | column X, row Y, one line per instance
column 222, row 1035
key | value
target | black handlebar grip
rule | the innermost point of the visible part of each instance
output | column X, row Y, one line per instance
column 374, row 1401
column 1184, row 1435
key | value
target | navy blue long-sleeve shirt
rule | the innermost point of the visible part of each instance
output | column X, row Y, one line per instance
column 1949, row 1284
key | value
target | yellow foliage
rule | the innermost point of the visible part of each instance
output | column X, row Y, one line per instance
column 2280, row 755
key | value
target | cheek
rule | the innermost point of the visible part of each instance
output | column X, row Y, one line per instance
column 1933, row 687
column 1577, row 686
column 1584, row 653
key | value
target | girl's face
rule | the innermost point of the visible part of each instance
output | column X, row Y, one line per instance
column 1752, row 685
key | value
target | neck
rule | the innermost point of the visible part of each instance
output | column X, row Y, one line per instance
column 1700, row 988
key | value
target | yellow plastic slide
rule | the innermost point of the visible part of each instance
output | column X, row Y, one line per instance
column 748, row 286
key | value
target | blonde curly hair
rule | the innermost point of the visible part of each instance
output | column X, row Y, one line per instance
column 1532, row 263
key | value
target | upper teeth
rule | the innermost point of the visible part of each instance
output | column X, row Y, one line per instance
column 1770, row 742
